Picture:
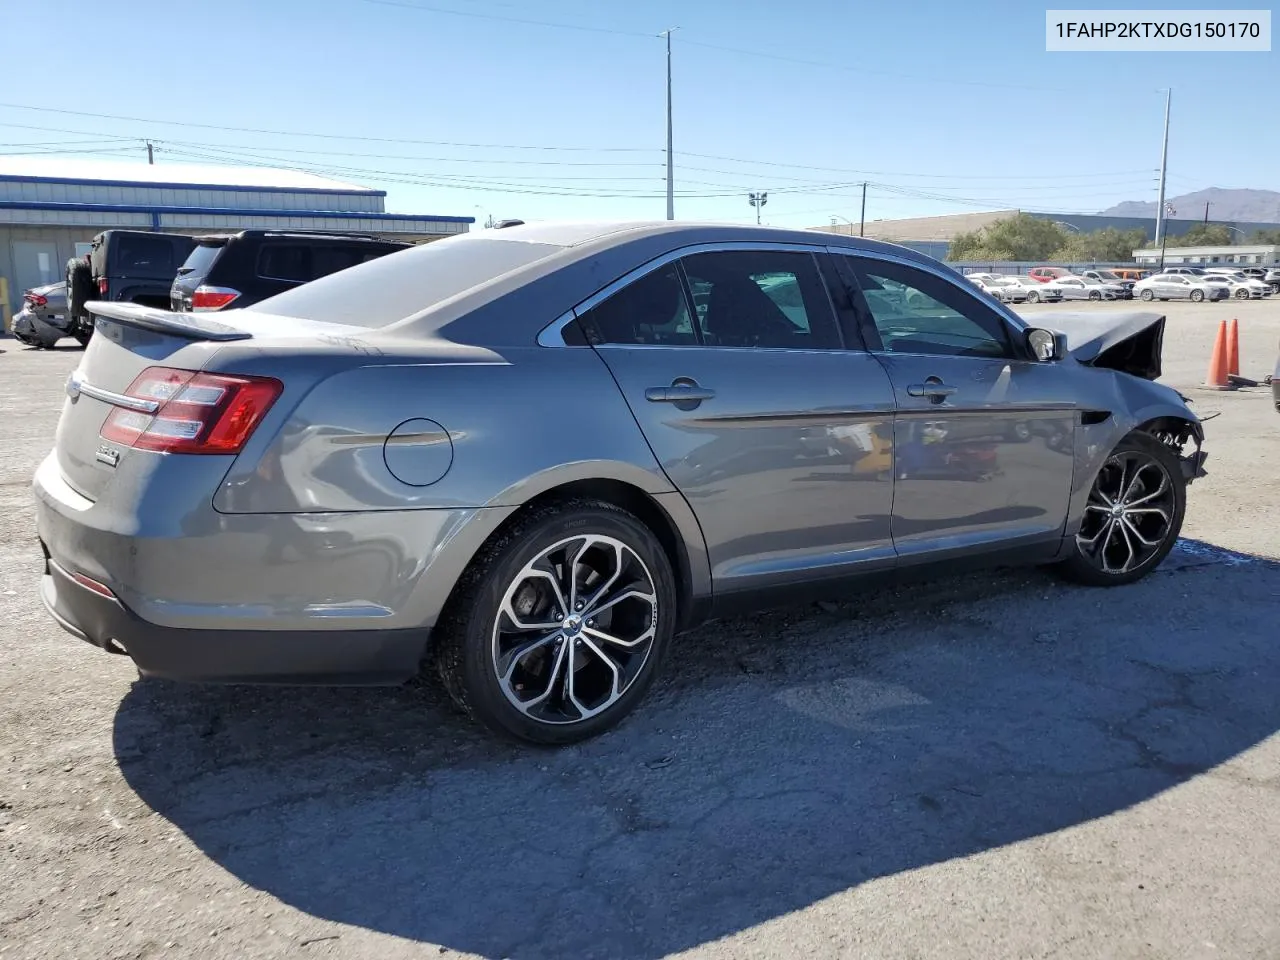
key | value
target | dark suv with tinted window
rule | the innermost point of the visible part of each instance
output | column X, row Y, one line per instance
column 239, row 269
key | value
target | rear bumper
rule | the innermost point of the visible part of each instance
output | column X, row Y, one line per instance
column 226, row 656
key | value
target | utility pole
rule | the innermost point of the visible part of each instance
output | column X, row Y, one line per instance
column 1206, row 213
column 1164, row 161
column 150, row 156
column 671, row 187
column 757, row 200
column 862, row 224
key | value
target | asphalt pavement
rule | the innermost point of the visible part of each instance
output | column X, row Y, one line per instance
column 998, row 765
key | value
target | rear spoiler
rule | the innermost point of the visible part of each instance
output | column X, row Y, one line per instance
column 190, row 326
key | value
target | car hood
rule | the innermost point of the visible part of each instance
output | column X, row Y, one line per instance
column 1129, row 342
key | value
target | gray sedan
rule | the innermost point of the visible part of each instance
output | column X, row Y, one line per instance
column 530, row 457
column 42, row 320
column 1086, row 288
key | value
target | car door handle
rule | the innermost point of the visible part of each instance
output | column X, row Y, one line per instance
column 934, row 389
column 679, row 392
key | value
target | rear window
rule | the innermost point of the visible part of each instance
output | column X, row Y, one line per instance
column 200, row 260
column 390, row 288
column 151, row 255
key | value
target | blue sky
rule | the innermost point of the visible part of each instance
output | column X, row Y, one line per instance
column 942, row 107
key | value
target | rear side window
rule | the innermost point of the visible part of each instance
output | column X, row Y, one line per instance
column 285, row 261
column 152, row 255
column 761, row 298
column 651, row 311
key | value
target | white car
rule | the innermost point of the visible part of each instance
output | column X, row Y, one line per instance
column 1002, row 288
column 1086, row 288
column 1242, row 287
column 1176, row 286
column 1033, row 291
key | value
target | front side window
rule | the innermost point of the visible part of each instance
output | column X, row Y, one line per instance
column 650, row 311
column 915, row 311
column 761, row 298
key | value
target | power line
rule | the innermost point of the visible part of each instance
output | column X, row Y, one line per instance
column 322, row 136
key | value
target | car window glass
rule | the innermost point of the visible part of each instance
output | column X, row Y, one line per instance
column 652, row 310
column 915, row 311
column 326, row 260
column 151, row 254
column 761, row 298
column 285, row 261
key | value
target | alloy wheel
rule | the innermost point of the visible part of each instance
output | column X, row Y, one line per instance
column 1129, row 514
column 574, row 629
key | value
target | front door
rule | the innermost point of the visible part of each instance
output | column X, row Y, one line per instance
column 984, row 435
column 778, row 437
column 35, row 264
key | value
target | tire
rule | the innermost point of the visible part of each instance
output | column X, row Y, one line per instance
column 476, row 637
column 1147, row 295
column 79, row 288
column 82, row 335
column 1033, row 297
column 1099, row 557
column 1094, row 295
column 1242, row 294
column 1197, row 296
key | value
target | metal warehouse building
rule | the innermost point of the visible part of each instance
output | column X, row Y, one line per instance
column 50, row 208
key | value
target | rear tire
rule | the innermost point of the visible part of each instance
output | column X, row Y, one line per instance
column 559, row 626
column 1133, row 517
column 79, row 289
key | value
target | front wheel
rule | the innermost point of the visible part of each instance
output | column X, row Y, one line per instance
column 1133, row 515
column 1094, row 295
column 560, row 626
column 1147, row 295
column 1242, row 294
column 1197, row 296
column 1033, row 297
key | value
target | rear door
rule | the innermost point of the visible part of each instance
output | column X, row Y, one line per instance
column 780, row 438
column 984, row 434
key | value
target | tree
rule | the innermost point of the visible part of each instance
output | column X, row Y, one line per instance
column 1020, row 237
column 1107, row 245
column 1265, row 237
column 1202, row 235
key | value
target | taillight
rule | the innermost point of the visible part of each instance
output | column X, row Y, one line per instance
column 35, row 299
column 195, row 412
column 212, row 298
column 102, row 286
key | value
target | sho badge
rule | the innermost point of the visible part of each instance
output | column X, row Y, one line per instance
column 107, row 455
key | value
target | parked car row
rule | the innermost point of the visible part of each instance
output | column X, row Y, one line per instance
column 182, row 273
column 1052, row 284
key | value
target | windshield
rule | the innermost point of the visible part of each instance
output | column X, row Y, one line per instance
column 1108, row 275
column 399, row 285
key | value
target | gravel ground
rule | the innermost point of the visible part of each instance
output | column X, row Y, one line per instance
column 999, row 765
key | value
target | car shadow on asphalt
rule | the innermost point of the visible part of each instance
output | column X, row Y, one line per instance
column 790, row 756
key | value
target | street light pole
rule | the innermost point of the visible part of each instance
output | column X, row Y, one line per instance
column 862, row 224
column 671, row 190
column 1161, row 227
column 757, row 200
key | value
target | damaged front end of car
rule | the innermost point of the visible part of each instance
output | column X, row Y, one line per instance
column 1132, row 344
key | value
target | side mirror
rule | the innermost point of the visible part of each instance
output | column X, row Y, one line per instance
column 1045, row 345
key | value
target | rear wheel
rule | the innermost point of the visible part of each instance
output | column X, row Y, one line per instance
column 1133, row 515
column 79, row 288
column 559, row 628
column 1197, row 296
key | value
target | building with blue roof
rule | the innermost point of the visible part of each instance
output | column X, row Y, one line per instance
column 51, row 207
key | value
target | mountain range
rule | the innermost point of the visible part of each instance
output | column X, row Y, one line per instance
column 1257, row 206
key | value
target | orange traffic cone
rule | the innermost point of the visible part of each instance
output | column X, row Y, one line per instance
column 1216, row 378
column 1233, row 347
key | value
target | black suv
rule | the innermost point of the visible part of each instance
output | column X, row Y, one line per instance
column 240, row 269
column 135, row 266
